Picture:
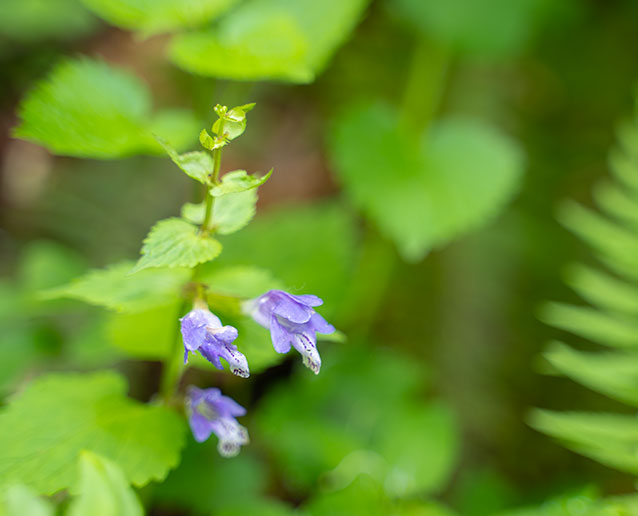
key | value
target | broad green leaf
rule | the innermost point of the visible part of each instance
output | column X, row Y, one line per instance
column 44, row 429
column 33, row 20
column 86, row 108
column 21, row 501
column 238, row 181
column 176, row 243
column 116, row 289
column 231, row 212
column 604, row 328
column 288, row 40
column 608, row 438
column 154, row 16
column 614, row 374
column 197, row 165
column 424, row 194
column 310, row 248
column 603, row 290
column 480, row 27
column 102, row 489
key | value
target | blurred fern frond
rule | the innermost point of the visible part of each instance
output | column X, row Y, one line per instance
column 610, row 320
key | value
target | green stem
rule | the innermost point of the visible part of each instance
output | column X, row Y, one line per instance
column 210, row 200
column 174, row 362
column 424, row 86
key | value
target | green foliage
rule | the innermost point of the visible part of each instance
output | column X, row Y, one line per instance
column 289, row 40
column 581, row 505
column 360, row 416
column 231, row 212
column 44, row 429
column 21, row 501
column 614, row 374
column 103, row 489
column 209, row 484
column 605, row 437
column 153, row 16
column 238, row 181
column 492, row 28
column 424, row 192
column 311, row 249
column 86, row 108
column 28, row 21
column 197, row 165
column 116, row 289
column 608, row 438
column 176, row 243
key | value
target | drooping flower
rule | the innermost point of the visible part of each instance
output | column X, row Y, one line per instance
column 203, row 331
column 292, row 321
column 211, row 412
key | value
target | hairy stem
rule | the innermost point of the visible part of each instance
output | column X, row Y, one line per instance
column 210, row 200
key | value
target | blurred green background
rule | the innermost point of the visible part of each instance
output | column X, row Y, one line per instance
column 422, row 409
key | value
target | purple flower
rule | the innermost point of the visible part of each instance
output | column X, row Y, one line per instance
column 203, row 331
column 292, row 321
column 211, row 412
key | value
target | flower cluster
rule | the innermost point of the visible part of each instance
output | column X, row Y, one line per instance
column 292, row 321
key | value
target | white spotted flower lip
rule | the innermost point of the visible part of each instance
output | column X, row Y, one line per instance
column 211, row 412
column 203, row 331
column 292, row 321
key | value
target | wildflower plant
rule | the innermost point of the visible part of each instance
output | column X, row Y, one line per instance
column 204, row 315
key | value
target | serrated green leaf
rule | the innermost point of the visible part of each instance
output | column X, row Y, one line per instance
column 231, row 212
column 234, row 211
column 102, row 489
column 154, row 16
column 86, row 108
column 44, row 429
column 604, row 328
column 424, row 195
column 288, row 40
column 197, row 165
column 608, row 438
column 614, row 374
column 21, row 501
column 238, row 181
column 116, row 289
column 176, row 243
